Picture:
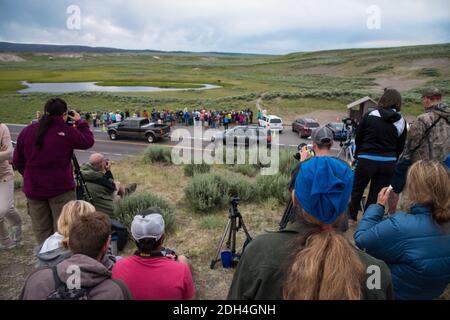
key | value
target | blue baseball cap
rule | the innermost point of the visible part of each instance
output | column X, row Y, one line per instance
column 323, row 188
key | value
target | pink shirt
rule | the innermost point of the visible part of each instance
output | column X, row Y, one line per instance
column 155, row 278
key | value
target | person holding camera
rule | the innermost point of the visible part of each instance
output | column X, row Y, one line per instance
column 321, row 147
column 43, row 156
column 101, row 185
column 415, row 243
column 379, row 141
column 154, row 272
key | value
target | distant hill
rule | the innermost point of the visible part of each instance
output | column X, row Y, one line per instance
column 50, row 48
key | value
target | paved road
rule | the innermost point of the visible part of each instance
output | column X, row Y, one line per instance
column 121, row 149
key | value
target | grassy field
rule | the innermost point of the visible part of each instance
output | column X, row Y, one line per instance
column 287, row 83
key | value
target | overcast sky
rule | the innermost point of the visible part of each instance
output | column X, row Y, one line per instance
column 257, row 26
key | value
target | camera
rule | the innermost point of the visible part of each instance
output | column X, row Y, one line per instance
column 349, row 122
column 300, row 147
column 70, row 121
column 234, row 201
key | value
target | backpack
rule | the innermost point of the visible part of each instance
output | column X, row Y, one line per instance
column 62, row 292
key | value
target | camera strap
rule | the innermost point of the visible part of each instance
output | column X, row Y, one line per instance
column 158, row 254
column 427, row 132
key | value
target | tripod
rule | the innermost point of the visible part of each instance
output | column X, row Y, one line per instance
column 288, row 215
column 82, row 190
column 346, row 151
column 235, row 222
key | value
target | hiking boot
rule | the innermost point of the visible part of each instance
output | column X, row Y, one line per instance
column 16, row 234
column 129, row 189
column 8, row 245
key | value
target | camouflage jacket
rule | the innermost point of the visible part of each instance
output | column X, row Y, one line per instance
column 432, row 146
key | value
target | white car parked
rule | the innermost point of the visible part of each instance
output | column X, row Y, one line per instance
column 273, row 123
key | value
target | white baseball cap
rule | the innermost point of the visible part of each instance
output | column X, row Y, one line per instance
column 148, row 224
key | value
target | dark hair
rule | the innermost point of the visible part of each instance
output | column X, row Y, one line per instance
column 391, row 99
column 53, row 107
column 89, row 234
column 147, row 245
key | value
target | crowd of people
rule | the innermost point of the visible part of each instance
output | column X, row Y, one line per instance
column 398, row 254
column 185, row 117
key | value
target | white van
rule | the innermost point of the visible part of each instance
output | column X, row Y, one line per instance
column 273, row 123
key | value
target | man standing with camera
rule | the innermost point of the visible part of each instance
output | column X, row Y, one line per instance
column 43, row 156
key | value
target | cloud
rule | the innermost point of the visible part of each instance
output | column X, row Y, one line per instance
column 263, row 26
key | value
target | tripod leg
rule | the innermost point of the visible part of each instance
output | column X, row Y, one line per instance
column 219, row 247
column 245, row 229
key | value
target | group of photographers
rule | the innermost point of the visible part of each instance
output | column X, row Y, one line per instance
column 309, row 258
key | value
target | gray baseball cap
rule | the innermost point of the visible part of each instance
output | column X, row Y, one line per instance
column 322, row 136
column 148, row 224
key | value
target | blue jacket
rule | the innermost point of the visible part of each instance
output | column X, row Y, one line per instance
column 416, row 249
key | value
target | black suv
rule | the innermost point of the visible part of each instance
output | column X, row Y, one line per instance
column 244, row 135
column 138, row 128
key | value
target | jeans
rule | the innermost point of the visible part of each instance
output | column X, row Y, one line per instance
column 378, row 173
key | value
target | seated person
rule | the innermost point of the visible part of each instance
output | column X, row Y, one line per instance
column 415, row 244
column 152, row 274
column 311, row 259
column 90, row 236
column 101, row 185
column 56, row 248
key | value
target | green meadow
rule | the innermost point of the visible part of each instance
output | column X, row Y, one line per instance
column 290, row 84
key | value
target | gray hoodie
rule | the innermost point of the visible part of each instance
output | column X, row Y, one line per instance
column 93, row 276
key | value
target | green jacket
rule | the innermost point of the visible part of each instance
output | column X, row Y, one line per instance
column 261, row 270
column 101, row 187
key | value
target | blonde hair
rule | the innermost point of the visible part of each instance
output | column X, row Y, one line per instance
column 428, row 183
column 71, row 212
column 325, row 266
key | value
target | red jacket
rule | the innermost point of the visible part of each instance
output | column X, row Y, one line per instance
column 48, row 172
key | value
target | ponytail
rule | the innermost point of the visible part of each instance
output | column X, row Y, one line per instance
column 325, row 267
column 53, row 107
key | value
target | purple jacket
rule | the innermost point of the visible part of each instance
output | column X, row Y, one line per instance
column 48, row 172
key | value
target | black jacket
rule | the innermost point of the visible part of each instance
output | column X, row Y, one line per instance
column 382, row 132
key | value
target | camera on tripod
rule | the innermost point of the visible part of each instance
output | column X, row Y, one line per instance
column 229, row 256
column 348, row 123
column 234, row 201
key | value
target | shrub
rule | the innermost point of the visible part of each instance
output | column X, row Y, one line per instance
column 126, row 209
column 192, row 169
column 287, row 162
column 380, row 68
column 242, row 188
column 275, row 186
column 429, row 72
column 249, row 170
column 210, row 192
column 206, row 192
column 158, row 154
